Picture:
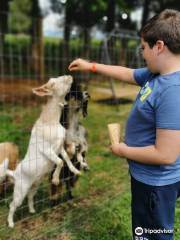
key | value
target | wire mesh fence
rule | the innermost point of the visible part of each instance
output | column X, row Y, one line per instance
column 28, row 61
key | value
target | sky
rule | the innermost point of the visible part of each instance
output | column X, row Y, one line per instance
column 51, row 21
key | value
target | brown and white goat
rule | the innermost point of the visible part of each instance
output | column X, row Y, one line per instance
column 10, row 151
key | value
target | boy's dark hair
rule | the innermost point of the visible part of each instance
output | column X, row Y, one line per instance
column 164, row 26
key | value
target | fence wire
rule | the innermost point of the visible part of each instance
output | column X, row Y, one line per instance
column 28, row 61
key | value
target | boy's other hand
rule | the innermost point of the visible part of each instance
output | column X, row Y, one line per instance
column 80, row 65
column 118, row 149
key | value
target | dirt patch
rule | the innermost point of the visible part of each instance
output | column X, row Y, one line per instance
column 64, row 236
column 17, row 90
column 20, row 90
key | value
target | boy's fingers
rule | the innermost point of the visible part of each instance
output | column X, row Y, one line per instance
column 73, row 68
column 73, row 63
column 70, row 66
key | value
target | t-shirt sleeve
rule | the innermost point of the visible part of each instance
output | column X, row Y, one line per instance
column 168, row 109
column 142, row 75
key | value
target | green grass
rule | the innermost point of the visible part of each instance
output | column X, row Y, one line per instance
column 101, row 208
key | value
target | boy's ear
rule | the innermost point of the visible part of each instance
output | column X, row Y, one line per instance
column 42, row 91
column 160, row 46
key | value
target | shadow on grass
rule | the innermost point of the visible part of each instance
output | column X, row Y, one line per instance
column 114, row 101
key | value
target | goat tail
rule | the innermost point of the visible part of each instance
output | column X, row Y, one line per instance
column 4, row 171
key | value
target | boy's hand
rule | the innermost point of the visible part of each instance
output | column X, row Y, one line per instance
column 80, row 65
column 118, row 149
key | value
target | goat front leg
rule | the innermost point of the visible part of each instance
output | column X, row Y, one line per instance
column 31, row 195
column 80, row 159
column 55, row 176
column 52, row 156
column 69, row 163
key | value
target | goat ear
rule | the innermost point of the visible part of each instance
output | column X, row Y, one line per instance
column 42, row 91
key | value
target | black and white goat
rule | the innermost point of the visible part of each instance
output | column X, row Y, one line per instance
column 76, row 141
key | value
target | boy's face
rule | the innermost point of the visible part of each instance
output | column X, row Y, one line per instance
column 150, row 56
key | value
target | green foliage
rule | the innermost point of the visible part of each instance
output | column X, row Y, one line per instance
column 19, row 19
column 83, row 13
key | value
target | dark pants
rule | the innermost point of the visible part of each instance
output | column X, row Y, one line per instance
column 153, row 210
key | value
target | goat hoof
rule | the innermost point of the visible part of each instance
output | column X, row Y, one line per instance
column 69, row 197
column 55, row 182
column 11, row 225
column 78, row 173
column 86, row 169
column 54, row 202
column 32, row 211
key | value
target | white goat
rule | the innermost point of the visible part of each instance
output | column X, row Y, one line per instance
column 10, row 151
column 46, row 143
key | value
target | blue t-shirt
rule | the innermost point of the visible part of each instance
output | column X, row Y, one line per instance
column 156, row 106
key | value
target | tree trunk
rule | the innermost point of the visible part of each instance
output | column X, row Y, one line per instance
column 87, row 42
column 4, row 9
column 1, row 53
column 145, row 12
column 37, row 60
column 38, row 50
column 124, row 47
column 110, row 15
column 67, row 29
column 110, row 25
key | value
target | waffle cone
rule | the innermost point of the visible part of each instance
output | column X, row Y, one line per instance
column 114, row 132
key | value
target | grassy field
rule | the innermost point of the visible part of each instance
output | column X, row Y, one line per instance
column 101, row 207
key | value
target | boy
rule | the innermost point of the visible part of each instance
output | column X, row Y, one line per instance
column 152, row 138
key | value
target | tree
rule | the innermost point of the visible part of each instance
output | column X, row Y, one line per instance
column 37, row 39
column 26, row 18
column 155, row 6
column 19, row 18
column 110, row 13
column 88, row 14
column 4, row 9
column 84, row 14
column 172, row 4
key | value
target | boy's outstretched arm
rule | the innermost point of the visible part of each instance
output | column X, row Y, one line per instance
column 123, row 74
